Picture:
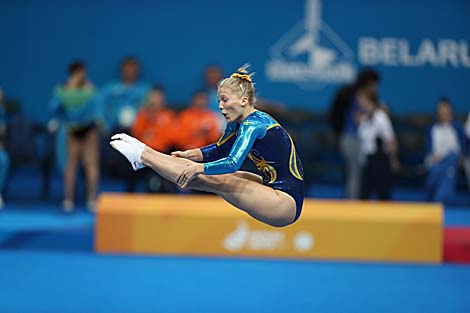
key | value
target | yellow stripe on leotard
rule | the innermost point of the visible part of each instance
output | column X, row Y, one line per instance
column 272, row 126
column 293, row 162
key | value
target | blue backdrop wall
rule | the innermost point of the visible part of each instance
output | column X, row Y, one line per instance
column 301, row 50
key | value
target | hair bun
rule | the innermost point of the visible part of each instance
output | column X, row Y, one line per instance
column 244, row 69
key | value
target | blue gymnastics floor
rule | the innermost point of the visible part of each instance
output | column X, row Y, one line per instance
column 84, row 282
column 47, row 264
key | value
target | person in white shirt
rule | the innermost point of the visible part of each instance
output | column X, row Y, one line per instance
column 445, row 148
column 378, row 149
column 344, row 118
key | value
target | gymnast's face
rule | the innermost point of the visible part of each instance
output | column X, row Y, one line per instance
column 232, row 107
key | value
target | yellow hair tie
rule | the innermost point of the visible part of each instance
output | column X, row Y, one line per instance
column 242, row 76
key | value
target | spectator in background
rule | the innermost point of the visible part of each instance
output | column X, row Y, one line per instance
column 212, row 76
column 155, row 123
column 198, row 125
column 445, row 147
column 121, row 100
column 378, row 149
column 4, row 159
column 74, row 103
column 344, row 118
column 155, row 126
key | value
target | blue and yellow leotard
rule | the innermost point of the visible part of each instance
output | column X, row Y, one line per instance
column 260, row 138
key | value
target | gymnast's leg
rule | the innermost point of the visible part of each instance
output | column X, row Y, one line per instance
column 242, row 190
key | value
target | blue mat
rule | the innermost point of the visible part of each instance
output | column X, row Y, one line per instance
column 47, row 264
column 83, row 282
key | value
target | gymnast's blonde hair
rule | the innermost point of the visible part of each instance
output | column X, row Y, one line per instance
column 241, row 84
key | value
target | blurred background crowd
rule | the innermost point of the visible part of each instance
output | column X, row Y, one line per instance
column 356, row 149
column 373, row 114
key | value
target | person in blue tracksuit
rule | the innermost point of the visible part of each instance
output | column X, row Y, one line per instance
column 445, row 148
column 120, row 100
column 274, row 197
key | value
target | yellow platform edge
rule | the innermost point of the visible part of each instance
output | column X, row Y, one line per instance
column 327, row 229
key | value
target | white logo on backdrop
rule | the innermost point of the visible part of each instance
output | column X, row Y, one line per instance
column 257, row 240
column 311, row 54
column 243, row 237
column 303, row 241
column 389, row 51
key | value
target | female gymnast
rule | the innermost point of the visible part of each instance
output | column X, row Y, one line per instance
column 274, row 198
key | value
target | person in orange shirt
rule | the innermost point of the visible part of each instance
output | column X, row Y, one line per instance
column 155, row 125
column 198, row 125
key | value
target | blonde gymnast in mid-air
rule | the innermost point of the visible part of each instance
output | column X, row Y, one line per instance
column 274, row 198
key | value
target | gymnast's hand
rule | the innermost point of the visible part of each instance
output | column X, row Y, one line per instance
column 130, row 147
column 188, row 174
column 193, row 154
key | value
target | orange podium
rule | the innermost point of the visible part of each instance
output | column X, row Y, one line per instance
column 208, row 226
